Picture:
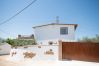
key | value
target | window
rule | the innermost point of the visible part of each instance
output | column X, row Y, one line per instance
column 63, row 30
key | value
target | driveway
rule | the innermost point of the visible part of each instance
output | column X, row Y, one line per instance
column 4, row 61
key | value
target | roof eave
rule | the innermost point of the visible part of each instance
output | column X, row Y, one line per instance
column 75, row 25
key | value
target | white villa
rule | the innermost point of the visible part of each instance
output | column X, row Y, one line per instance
column 52, row 33
column 47, row 37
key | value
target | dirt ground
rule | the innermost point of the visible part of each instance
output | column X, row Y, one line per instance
column 28, row 62
column 5, row 62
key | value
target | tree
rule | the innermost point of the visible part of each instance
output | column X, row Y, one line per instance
column 22, row 42
column 2, row 40
column 93, row 39
column 18, row 42
column 10, row 41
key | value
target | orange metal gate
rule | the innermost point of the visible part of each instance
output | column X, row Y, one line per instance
column 79, row 51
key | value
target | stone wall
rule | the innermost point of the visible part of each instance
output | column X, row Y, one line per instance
column 36, row 52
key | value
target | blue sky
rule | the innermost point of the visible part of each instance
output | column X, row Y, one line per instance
column 85, row 13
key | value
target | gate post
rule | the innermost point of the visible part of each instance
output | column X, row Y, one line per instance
column 60, row 50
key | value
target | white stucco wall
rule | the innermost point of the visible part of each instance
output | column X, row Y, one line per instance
column 52, row 33
column 5, row 48
column 40, row 53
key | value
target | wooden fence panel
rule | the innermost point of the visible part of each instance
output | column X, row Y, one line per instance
column 80, row 51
